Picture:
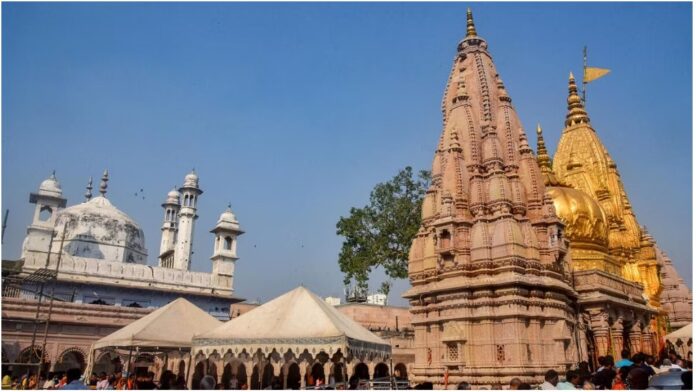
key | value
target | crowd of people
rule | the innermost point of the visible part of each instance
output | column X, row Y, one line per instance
column 630, row 372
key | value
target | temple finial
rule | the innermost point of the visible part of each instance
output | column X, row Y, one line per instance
column 542, row 154
column 103, row 184
column 470, row 28
column 88, row 194
column 576, row 109
column 53, row 174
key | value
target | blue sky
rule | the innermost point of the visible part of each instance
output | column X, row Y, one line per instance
column 293, row 112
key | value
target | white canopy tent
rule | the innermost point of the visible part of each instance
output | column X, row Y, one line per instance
column 682, row 339
column 169, row 328
column 297, row 320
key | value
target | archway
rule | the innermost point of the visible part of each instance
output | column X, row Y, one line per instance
column 337, row 372
column 255, row 377
column 317, row 373
column 242, row 376
column 227, row 376
column 212, row 370
column 198, row 374
column 362, row 371
column 294, row 378
column 108, row 363
column 70, row 359
column 182, row 369
column 381, row 372
column 400, row 371
column 267, row 377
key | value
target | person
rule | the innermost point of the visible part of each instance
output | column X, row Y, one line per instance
column 515, row 383
column 103, row 381
column 600, row 361
column 638, row 378
column 50, row 382
column 572, row 378
column 147, row 381
column 167, row 380
column 650, row 361
column 6, row 381
column 620, row 379
column 625, row 354
column 587, row 385
column 639, row 360
column 604, row 377
column 584, row 372
column 207, row 383
column 464, row 385
column 524, row 387
column 353, row 382
column 234, row 383
column 73, row 380
column 673, row 356
column 550, row 380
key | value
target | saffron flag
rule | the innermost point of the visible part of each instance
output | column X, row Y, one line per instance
column 594, row 73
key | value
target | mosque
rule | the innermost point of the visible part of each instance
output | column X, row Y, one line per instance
column 523, row 263
column 103, row 280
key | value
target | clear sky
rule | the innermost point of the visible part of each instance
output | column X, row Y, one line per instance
column 293, row 112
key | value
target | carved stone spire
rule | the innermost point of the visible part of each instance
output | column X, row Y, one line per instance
column 470, row 28
column 88, row 194
column 103, row 184
column 542, row 154
column 576, row 109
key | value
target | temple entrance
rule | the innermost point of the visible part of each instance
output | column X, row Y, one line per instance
column 69, row 360
column 337, row 373
column 317, row 373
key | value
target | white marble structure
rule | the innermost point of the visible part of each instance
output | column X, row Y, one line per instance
column 103, row 259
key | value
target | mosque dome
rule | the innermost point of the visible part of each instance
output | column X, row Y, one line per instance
column 50, row 187
column 173, row 197
column 97, row 229
column 191, row 180
column 584, row 219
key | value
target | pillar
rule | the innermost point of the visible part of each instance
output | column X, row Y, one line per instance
column 303, row 374
column 617, row 330
column 600, row 330
column 635, row 337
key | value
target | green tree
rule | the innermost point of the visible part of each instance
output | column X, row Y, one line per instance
column 380, row 233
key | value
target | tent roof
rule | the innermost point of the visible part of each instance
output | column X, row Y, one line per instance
column 682, row 333
column 172, row 325
column 298, row 318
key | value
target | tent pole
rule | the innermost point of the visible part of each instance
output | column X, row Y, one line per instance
column 130, row 356
column 188, row 368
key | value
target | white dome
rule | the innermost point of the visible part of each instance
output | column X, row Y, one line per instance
column 50, row 187
column 96, row 229
column 227, row 222
column 191, row 180
column 173, row 197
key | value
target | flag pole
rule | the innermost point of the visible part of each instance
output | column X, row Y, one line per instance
column 584, row 73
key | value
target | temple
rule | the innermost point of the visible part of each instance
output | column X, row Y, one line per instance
column 524, row 264
column 492, row 294
column 612, row 255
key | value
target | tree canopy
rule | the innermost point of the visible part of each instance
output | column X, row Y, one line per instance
column 380, row 233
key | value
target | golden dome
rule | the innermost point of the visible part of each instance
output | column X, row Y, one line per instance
column 583, row 217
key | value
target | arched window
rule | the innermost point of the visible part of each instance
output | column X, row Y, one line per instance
column 186, row 200
column 228, row 243
column 45, row 213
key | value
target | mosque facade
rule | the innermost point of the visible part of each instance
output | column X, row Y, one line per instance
column 103, row 280
column 522, row 263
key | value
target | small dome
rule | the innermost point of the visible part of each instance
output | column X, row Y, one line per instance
column 173, row 197
column 583, row 217
column 227, row 222
column 50, row 187
column 96, row 229
column 191, row 180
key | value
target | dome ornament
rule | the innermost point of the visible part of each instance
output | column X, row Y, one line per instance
column 88, row 194
column 103, row 185
column 576, row 109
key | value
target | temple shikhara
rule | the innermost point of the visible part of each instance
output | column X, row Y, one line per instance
column 524, row 263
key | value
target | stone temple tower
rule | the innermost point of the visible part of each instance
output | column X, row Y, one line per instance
column 491, row 296
column 187, row 218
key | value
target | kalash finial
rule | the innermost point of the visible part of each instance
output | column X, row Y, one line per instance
column 470, row 28
column 542, row 154
column 576, row 109
column 103, row 184
column 88, row 194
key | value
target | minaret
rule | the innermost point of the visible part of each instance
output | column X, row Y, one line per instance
column 490, row 297
column 169, row 229
column 225, row 249
column 187, row 218
column 49, row 201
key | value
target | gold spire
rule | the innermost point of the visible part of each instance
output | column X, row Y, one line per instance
column 470, row 28
column 576, row 109
column 542, row 155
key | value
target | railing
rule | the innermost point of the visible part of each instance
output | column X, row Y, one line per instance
column 377, row 384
